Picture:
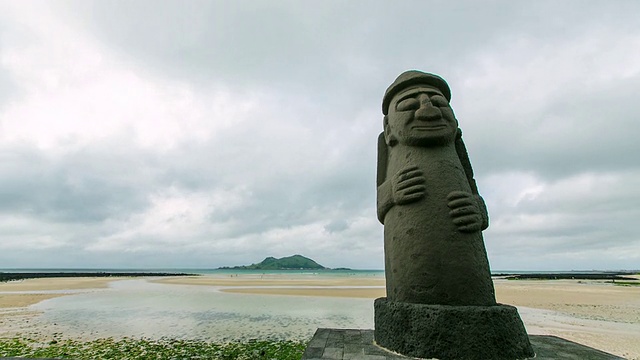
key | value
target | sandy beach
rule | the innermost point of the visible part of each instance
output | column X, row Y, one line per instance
column 17, row 296
column 274, row 282
column 594, row 313
column 22, row 293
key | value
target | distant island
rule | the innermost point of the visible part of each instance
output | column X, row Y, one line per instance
column 295, row 262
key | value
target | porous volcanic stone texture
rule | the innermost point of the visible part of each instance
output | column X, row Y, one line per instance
column 451, row 332
column 428, row 200
column 427, row 259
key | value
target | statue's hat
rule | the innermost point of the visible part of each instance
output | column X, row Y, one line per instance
column 410, row 78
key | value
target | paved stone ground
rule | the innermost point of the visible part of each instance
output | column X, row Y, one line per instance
column 351, row 344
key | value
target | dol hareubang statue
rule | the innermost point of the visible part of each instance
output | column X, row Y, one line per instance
column 440, row 297
column 428, row 200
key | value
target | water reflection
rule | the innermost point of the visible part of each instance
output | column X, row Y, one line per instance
column 138, row 308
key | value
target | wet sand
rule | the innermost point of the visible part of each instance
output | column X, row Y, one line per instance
column 23, row 300
column 367, row 293
column 312, row 285
column 594, row 313
column 22, row 293
column 66, row 283
column 273, row 281
column 16, row 296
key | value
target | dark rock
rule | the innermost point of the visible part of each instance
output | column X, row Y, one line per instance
column 451, row 332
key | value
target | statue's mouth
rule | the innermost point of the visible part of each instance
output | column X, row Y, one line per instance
column 429, row 127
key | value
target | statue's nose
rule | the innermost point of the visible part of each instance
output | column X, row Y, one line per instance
column 428, row 112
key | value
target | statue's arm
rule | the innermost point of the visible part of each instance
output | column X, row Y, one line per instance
column 384, row 200
column 404, row 187
column 384, row 197
column 484, row 214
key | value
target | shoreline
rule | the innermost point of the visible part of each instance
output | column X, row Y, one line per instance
column 597, row 313
column 13, row 276
column 17, row 296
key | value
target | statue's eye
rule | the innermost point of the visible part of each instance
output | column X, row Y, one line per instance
column 408, row 104
column 439, row 101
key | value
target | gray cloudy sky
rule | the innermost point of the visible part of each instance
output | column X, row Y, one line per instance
column 211, row 133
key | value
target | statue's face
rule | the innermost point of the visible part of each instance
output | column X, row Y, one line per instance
column 420, row 116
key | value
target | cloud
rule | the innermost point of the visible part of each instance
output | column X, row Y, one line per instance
column 558, row 112
column 79, row 187
column 538, row 220
column 152, row 134
column 337, row 225
column 7, row 87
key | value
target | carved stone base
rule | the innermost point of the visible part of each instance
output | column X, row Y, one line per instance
column 451, row 332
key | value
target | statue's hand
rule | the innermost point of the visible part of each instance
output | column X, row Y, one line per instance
column 407, row 186
column 464, row 211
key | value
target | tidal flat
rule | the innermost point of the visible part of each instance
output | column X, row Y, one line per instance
column 251, row 311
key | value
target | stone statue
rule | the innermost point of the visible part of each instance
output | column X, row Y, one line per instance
column 436, row 264
column 428, row 199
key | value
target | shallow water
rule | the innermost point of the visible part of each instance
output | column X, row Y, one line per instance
column 138, row 308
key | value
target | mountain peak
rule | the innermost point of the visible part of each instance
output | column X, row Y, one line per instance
column 293, row 262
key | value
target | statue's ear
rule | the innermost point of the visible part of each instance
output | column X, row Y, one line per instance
column 389, row 138
column 383, row 158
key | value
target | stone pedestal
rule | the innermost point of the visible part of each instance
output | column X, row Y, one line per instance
column 451, row 332
column 357, row 344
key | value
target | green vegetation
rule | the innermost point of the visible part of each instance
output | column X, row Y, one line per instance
column 295, row 262
column 144, row 349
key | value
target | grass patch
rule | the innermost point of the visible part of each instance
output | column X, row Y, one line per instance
column 144, row 349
